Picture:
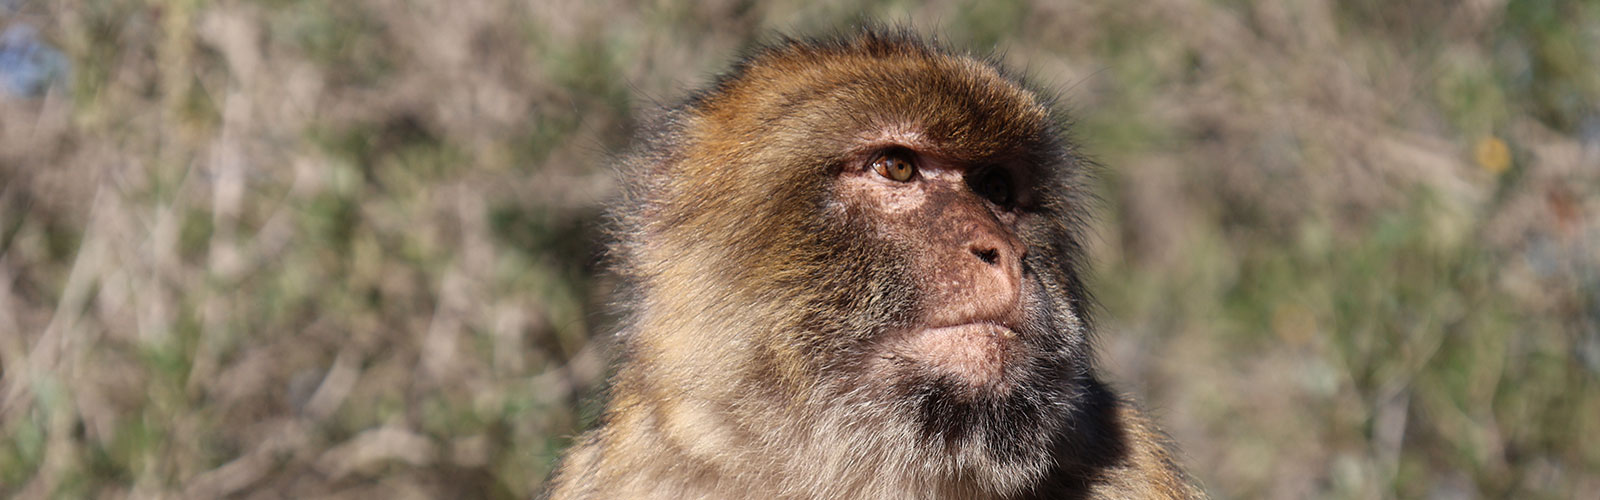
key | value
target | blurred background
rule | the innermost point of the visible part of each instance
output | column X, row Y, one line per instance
column 348, row 248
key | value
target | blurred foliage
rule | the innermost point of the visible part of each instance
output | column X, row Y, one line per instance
column 294, row 248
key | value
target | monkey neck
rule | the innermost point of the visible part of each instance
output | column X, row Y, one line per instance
column 713, row 438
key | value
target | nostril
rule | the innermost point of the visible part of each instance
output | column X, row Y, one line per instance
column 987, row 255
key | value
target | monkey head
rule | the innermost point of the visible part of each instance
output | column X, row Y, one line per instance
column 874, row 238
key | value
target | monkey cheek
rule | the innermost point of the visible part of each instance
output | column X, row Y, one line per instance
column 978, row 355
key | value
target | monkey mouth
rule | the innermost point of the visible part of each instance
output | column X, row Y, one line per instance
column 976, row 354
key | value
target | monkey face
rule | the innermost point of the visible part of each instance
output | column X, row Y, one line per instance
column 963, row 256
column 881, row 231
column 981, row 341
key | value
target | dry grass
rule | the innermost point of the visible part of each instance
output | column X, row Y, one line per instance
column 305, row 249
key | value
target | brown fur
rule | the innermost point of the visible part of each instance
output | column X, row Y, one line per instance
column 772, row 297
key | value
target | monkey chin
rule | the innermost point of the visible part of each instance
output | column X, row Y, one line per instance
column 976, row 356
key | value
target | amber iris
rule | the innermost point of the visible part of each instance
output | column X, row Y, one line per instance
column 895, row 166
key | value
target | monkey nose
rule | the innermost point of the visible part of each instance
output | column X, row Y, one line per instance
column 986, row 254
column 998, row 252
column 980, row 282
column 999, row 263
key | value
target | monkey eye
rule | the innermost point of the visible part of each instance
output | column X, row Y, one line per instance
column 895, row 165
column 993, row 184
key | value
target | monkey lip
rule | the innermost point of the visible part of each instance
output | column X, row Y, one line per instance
column 975, row 353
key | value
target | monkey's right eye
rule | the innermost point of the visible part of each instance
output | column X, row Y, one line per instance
column 895, row 166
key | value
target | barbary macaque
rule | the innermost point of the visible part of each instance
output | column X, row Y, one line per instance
column 857, row 271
